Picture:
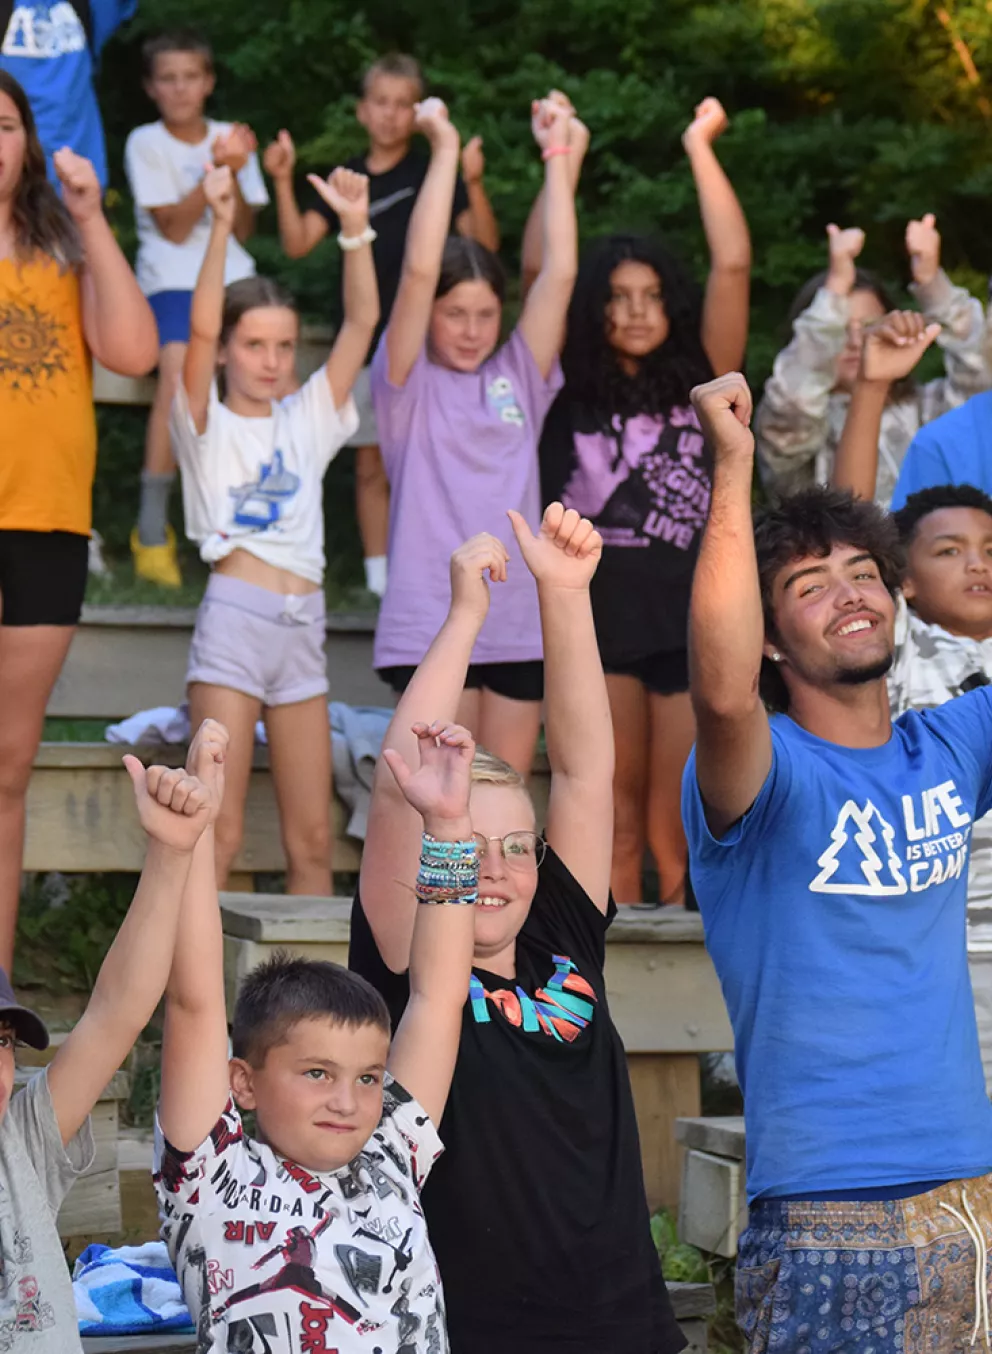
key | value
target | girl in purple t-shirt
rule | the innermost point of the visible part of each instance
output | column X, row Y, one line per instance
column 459, row 419
column 623, row 447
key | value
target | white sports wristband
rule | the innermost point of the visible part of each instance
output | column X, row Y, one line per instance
column 350, row 242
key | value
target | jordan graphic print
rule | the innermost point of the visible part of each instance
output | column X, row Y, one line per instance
column 302, row 1261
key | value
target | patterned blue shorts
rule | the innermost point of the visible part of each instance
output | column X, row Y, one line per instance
column 892, row 1277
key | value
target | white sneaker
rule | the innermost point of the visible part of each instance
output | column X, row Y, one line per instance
column 98, row 565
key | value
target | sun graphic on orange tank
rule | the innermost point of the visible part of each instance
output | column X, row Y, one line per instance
column 32, row 348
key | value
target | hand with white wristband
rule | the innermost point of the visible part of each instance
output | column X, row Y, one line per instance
column 346, row 192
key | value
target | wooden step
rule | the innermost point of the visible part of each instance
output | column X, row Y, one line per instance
column 129, row 658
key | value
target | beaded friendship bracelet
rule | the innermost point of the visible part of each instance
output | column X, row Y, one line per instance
column 449, row 872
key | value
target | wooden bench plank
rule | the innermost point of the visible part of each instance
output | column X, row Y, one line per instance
column 81, row 816
column 125, row 659
column 93, row 1205
column 723, row 1135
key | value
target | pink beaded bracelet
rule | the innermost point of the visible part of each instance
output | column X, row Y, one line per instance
column 548, row 151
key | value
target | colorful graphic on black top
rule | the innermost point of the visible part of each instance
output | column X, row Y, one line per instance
column 647, row 482
column 562, row 1009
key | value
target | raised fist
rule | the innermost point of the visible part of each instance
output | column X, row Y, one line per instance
column 432, row 121
column 923, row 248
column 709, row 121
column 279, row 159
column 80, row 185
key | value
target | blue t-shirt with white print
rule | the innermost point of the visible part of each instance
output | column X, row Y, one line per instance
column 45, row 48
column 835, row 917
column 954, row 449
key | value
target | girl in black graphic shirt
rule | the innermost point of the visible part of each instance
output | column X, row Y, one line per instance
column 536, row 1210
column 622, row 446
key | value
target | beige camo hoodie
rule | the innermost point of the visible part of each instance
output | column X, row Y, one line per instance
column 800, row 417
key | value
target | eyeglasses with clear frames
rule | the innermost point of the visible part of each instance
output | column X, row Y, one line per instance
column 520, row 850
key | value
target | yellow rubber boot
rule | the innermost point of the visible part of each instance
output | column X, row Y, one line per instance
column 157, row 563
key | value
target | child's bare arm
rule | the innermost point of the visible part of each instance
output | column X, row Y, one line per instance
column 299, row 232
column 425, row 237
column 195, row 1082
column 478, row 220
column 725, row 308
column 532, row 248
column 117, row 320
column 392, row 842
column 347, row 193
column 542, row 321
column 891, row 350
column 563, row 557
column 207, row 310
column 425, row 1047
column 177, row 219
column 175, row 809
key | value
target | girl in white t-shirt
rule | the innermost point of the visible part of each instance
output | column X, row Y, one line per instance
column 253, row 460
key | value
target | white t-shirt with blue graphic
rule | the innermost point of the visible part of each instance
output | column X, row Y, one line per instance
column 256, row 484
column 835, row 914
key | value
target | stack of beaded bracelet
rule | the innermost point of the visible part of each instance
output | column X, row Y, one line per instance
column 449, row 872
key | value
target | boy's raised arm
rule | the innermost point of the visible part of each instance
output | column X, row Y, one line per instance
column 578, row 727
column 195, row 1080
column 726, row 620
column 299, row 232
column 175, row 809
column 425, row 1047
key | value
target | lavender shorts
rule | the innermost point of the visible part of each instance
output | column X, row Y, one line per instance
column 259, row 642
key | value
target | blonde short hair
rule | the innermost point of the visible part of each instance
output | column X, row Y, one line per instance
column 488, row 769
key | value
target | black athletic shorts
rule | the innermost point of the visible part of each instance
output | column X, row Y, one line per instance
column 42, row 577
column 664, row 674
column 515, row 681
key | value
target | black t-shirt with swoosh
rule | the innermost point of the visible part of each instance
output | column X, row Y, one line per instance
column 536, row 1210
column 391, row 199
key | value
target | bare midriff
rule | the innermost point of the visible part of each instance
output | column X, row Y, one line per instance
column 250, row 569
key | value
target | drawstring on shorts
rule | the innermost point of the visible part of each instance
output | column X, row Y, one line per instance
column 970, row 1224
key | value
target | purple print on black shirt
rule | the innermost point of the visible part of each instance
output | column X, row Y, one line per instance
column 648, row 482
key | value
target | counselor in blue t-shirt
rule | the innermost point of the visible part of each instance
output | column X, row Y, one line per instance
column 47, row 49
column 954, row 449
column 835, row 916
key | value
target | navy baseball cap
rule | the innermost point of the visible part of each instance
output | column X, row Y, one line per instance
column 29, row 1028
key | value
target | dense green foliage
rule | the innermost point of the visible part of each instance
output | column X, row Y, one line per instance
column 859, row 111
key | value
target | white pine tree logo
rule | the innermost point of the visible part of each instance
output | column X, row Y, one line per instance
column 869, row 830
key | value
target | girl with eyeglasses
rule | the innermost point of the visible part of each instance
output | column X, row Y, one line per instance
column 536, row 1211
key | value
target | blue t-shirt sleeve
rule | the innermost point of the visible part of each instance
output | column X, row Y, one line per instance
column 925, row 465
column 108, row 15
column 965, row 724
column 712, row 863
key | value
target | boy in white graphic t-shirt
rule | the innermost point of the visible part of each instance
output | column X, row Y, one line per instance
column 165, row 163
column 311, row 1235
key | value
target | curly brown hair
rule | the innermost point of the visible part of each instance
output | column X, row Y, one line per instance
column 812, row 522
column 41, row 223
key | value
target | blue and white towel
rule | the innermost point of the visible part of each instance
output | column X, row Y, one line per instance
column 129, row 1290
